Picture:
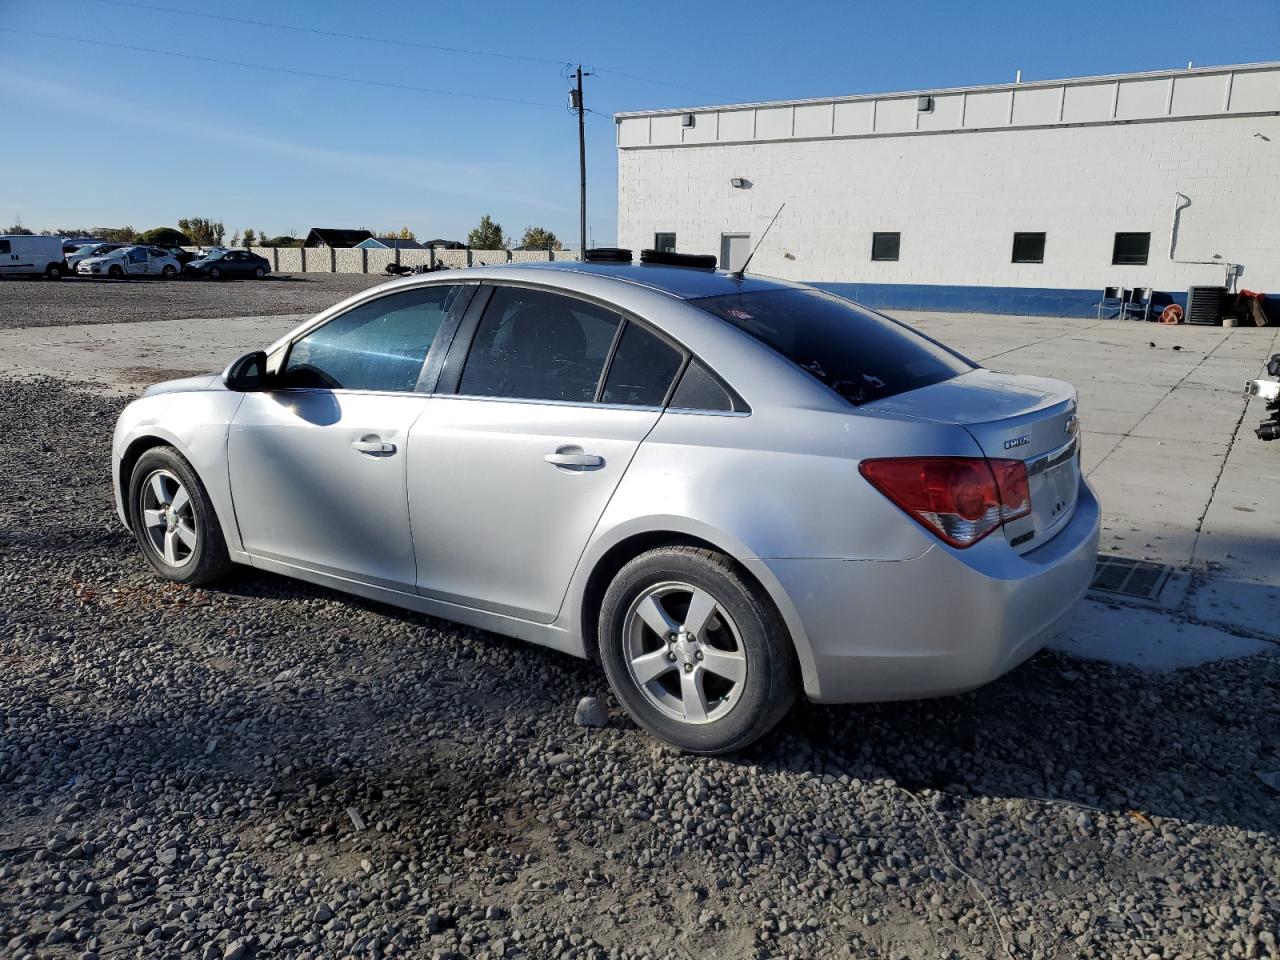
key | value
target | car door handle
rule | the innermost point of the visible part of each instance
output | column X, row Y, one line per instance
column 374, row 445
column 585, row 460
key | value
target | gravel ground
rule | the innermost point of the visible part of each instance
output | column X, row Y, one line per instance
column 275, row 770
column 74, row 300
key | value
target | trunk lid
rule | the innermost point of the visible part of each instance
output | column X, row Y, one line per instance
column 1012, row 417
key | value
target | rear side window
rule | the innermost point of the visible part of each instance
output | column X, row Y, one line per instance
column 4, row 246
column 699, row 390
column 860, row 355
column 378, row 345
column 535, row 345
column 642, row 369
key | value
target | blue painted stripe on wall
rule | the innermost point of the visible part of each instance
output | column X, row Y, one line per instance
column 1028, row 301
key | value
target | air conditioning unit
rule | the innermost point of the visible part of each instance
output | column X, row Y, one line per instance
column 1204, row 304
column 924, row 104
column 686, row 120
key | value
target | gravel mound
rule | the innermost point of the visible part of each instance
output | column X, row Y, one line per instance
column 79, row 300
column 275, row 770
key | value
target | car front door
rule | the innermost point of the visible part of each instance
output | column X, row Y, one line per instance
column 509, row 474
column 317, row 465
column 135, row 261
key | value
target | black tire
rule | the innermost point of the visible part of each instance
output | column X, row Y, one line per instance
column 54, row 271
column 208, row 560
column 771, row 681
column 215, row 273
column 170, row 272
column 115, row 272
column 259, row 272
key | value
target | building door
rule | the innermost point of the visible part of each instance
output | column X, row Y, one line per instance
column 734, row 250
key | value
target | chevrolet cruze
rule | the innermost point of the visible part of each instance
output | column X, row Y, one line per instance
column 725, row 489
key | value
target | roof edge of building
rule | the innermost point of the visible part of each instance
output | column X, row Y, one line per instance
column 980, row 88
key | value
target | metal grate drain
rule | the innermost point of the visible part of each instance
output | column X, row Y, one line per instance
column 1130, row 578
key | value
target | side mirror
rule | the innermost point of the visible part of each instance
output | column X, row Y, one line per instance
column 248, row 374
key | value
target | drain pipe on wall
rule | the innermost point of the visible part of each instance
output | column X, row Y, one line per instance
column 1180, row 202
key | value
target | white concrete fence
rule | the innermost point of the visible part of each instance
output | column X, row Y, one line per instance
column 360, row 260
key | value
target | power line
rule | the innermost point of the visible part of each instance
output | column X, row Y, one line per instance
column 465, row 51
column 329, row 33
column 299, row 73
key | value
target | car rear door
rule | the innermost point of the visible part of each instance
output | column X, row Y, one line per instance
column 317, row 465
column 513, row 462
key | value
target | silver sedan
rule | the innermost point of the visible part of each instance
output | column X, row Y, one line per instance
column 726, row 490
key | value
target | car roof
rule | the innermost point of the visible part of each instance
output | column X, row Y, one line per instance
column 687, row 283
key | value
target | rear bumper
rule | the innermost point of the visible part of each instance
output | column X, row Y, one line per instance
column 944, row 622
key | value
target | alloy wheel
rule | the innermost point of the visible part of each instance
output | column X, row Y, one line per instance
column 684, row 652
column 168, row 517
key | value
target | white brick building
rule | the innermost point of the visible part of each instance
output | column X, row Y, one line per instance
column 1185, row 160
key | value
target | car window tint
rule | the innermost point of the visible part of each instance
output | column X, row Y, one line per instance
column 4, row 246
column 378, row 345
column 535, row 345
column 699, row 390
column 642, row 369
column 861, row 355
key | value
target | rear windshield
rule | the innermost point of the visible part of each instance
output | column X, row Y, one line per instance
column 859, row 354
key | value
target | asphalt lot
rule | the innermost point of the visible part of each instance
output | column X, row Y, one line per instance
column 179, row 769
column 85, row 300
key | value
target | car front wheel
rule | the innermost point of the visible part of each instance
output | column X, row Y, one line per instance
column 694, row 652
column 173, row 519
column 214, row 273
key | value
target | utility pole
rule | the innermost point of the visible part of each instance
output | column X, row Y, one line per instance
column 576, row 104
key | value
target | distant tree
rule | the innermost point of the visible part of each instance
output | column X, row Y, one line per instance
column 165, row 237
column 250, row 238
column 540, row 238
column 18, row 230
column 281, row 241
column 406, row 234
column 487, row 236
column 203, row 232
column 115, row 234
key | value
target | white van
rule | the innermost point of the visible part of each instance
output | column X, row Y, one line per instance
column 23, row 255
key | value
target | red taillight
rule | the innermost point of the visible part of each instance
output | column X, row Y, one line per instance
column 961, row 499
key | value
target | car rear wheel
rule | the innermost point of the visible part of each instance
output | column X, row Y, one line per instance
column 259, row 272
column 694, row 652
column 115, row 272
column 173, row 519
column 169, row 272
column 214, row 273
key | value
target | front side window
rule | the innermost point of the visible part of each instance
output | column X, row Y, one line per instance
column 378, row 345
column 137, row 255
column 1131, row 248
column 885, row 246
column 642, row 369
column 861, row 355
column 535, row 345
column 663, row 242
column 1028, row 248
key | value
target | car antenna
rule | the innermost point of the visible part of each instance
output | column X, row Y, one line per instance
column 737, row 274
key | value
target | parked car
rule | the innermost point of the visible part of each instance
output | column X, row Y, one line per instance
column 88, row 250
column 135, row 261
column 229, row 264
column 725, row 489
column 26, row 255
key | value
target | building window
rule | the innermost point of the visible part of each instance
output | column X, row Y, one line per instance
column 1131, row 249
column 664, row 242
column 884, row 246
column 1028, row 248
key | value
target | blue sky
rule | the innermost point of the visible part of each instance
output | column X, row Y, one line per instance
column 109, row 136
